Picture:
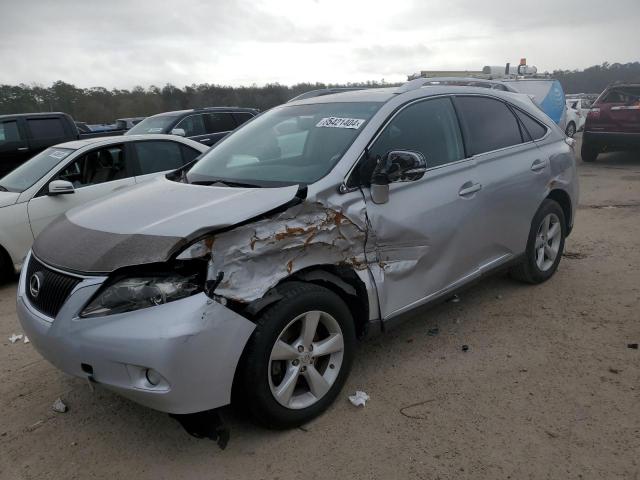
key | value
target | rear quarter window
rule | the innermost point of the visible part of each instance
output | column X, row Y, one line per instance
column 534, row 128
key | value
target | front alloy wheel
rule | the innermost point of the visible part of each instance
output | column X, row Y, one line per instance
column 306, row 359
column 298, row 357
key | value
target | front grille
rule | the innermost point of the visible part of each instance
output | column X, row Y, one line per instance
column 54, row 287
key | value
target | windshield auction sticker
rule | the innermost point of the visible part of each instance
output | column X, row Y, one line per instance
column 339, row 122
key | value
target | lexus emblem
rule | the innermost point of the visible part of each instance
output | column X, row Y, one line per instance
column 35, row 283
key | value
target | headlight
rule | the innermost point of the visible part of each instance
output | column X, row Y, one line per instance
column 142, row 292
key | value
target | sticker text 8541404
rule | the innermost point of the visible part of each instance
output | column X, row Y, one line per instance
column 339, row 122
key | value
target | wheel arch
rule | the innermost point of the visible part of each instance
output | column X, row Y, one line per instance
column 564, row 200
column 340, row 279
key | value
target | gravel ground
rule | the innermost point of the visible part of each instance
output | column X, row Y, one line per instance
column 548, row 388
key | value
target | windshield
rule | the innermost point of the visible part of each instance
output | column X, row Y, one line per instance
column 27, row 174
column 294, row 144
column 156, row 124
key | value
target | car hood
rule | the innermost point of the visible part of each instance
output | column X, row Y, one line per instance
column 149, row 223
column 8, row 198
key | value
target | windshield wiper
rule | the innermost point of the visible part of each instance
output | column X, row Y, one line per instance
column 226, row 182
column 3, row 189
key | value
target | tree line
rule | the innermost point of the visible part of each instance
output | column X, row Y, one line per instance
column 101, row 105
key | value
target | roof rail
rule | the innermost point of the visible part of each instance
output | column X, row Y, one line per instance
column 461, row 81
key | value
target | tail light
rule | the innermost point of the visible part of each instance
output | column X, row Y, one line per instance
column 594, row 113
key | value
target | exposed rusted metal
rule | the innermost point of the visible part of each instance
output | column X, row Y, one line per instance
column 256, row 256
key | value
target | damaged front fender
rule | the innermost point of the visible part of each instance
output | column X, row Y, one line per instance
column 257, row 256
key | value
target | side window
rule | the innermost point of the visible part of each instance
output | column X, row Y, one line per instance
column 98, row 166
column 193, row 125
column 429, row 127
column 46, row 127
column 242, row 117
column 188, row 154
column 9, row 132
column 219, row 122
column 157, row 156
column 489, row 123
column 532, row 127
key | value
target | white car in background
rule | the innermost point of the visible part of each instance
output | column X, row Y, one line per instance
column 75, row 173
column 581, row 105
column 575, row 121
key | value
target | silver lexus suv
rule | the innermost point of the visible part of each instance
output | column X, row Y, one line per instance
column 255, row 270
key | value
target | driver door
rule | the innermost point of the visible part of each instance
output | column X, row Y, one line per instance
column 94, row 175
column 424, row 235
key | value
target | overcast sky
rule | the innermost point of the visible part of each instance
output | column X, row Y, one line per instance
column 123, row 43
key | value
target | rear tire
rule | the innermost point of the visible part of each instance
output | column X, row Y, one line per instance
column 589, row 153
column 570, row 131
column 544, row 245
column 281, row 353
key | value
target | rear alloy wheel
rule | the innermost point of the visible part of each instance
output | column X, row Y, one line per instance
column 570, row 131
column 298, row 357
column 544, row 245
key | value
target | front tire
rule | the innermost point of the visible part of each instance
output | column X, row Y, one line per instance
column 299, row 356
column 544, row 245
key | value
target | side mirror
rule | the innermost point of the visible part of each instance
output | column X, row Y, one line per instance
column 396, row 166
column 179, row 131
column 61, row 187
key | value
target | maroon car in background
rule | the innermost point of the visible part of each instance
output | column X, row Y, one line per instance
column 613, row 122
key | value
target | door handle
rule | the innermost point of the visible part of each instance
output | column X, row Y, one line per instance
column 470, row 189
column 538, row 165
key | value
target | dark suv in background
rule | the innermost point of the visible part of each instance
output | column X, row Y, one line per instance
column 205, row 125
column 613, row 122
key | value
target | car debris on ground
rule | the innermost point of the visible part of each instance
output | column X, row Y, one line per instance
column 59, row 406
column 359, row 399
column 15, row 337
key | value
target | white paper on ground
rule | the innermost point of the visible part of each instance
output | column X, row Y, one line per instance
column 359, row 399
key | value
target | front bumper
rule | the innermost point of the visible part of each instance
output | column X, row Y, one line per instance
column 194, row 344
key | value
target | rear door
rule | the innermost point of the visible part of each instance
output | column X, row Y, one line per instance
column 94, row 174
column 14, row 149
column 620, row 110
column 155, row 156
column 513, row 172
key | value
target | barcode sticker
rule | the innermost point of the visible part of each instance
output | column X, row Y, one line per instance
column 339, row 122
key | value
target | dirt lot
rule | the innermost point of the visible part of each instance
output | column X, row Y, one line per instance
column 548, row 388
